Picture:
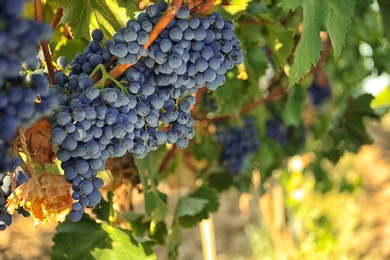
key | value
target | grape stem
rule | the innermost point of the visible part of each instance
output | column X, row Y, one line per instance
column 57, row 18
column 198, row 97
column 45, row 43
column 168, row 157
column 106, row 77
column 167, row 17
column 203, row 7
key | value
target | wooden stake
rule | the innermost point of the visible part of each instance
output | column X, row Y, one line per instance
column 207, row 235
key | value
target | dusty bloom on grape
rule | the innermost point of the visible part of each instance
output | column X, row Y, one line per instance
column 46, row 197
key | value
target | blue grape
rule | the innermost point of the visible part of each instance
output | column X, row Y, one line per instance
column 318, row 93
column 75, row 216
column 276, row 130
column 238, row 143
column 62, row 62
column 5, row 192
column 97, row 35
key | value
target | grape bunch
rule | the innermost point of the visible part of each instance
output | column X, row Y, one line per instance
column 89, row 126
column 318, row 93
column 19, row 95
column 238, row 143
column 17, row 37
column 95, row 53
column 276, row 130
column 5, row 192
column 148, row 106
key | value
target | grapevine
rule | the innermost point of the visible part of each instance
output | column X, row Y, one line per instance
column 214, row 90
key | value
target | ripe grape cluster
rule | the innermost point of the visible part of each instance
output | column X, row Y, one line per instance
column 238, row 142
column 5, row 192
column 149, row 105
column 90, row 126
column 276, row 130
column 318, row 93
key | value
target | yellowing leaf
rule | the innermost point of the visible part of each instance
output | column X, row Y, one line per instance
column 237, row 6
column 46, row 197
column 382, row 100
column 85, row 15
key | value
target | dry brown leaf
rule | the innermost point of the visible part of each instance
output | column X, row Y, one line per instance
column 38, row 142
column 46, row 197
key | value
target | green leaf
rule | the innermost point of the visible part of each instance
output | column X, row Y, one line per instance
column 69, row 48
column 256, row 61
column 189, row 206
column 89, row 240
column 159, row 232
column 281, row 44
column 219, row 179
column 148, row 168
column 206, row 193
column 347, row 130
column 104, row 211
column 139, row 222
column 205, row 148
column 156, row 205
column 142, row 226
column 174, row 241
column 235, row 93
column 292, row 112
column 334, row 16
column 85, row 15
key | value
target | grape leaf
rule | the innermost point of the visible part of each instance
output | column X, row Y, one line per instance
column 205, row 149
column 142, row 225
column 189, row 206
column 148, row 168
column 219, row 179
column 281, row 41
column 103, row 211
column 234, row 93
column 174, row 241
column 139, row 222
column 69, row 48
column 385, row 11
column 334, row 16
column 85, row 15
column 292, row 112
column 208, row 194
column 156, row 205
column 348, row 131
column 90, row 240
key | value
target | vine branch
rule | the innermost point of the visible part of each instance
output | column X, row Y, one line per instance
column 45, row 43
column 165, row 19
column 198, row 97
column 168, row 157
column 203, row 7
column 57, row 18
